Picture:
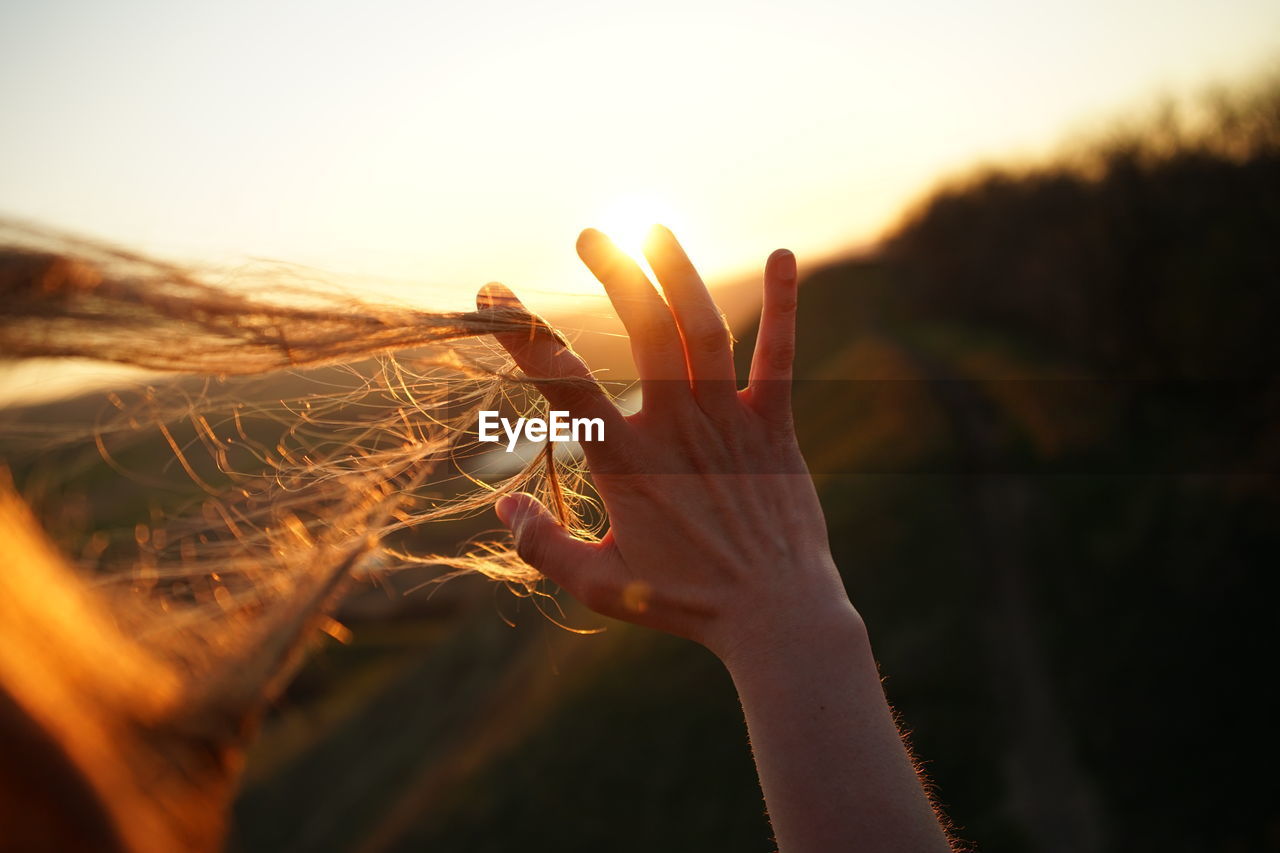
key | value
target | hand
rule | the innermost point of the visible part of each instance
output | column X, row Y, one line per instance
column 716, row 533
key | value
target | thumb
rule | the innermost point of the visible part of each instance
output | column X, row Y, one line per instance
column 542, row 542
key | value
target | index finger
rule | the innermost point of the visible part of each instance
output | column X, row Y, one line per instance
column 553, row 367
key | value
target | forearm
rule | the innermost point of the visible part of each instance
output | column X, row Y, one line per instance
column 834, row 770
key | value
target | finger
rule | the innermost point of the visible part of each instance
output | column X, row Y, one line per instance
column 588, row 570
column 655, row 340
column 543, row 355
column 769, row 389
column 708, row 346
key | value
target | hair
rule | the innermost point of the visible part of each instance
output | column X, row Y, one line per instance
column 136, row 676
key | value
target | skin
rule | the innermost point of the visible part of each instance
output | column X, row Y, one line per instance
column 716, row 535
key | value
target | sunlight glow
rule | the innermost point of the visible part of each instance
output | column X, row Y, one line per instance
column 628, row 218
column 311, row 135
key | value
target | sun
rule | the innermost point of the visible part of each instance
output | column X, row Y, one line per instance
column 628, row 218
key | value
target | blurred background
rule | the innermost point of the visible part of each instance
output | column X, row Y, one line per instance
column 1037, row 377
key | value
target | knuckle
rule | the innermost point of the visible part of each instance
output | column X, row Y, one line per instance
column 655, row 328
column 644, row 490
column 715, row 395
column 575, row 393
column 622, row 460
column 781, row 422
column 531, row 549
column 715, row 412
column 690, row 443
column 784, row 302
column 567, row 362
column 595, row 595
column 710, row 338
column 778, row 423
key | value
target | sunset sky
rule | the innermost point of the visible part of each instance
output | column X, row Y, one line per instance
column 434, row 146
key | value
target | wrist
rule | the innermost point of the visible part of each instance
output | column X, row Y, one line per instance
column 781, row 637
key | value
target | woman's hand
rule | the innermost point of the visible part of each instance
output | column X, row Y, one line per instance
column 715, row 533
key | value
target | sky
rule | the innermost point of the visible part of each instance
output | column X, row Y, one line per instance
column 429, row 147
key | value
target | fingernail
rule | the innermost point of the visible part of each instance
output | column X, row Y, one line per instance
column 783, row 263
column 506, row 507
column 515, row 512
column 597, row 239
column 498, row 294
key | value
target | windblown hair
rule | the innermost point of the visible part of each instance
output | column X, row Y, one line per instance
column 135, row 677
